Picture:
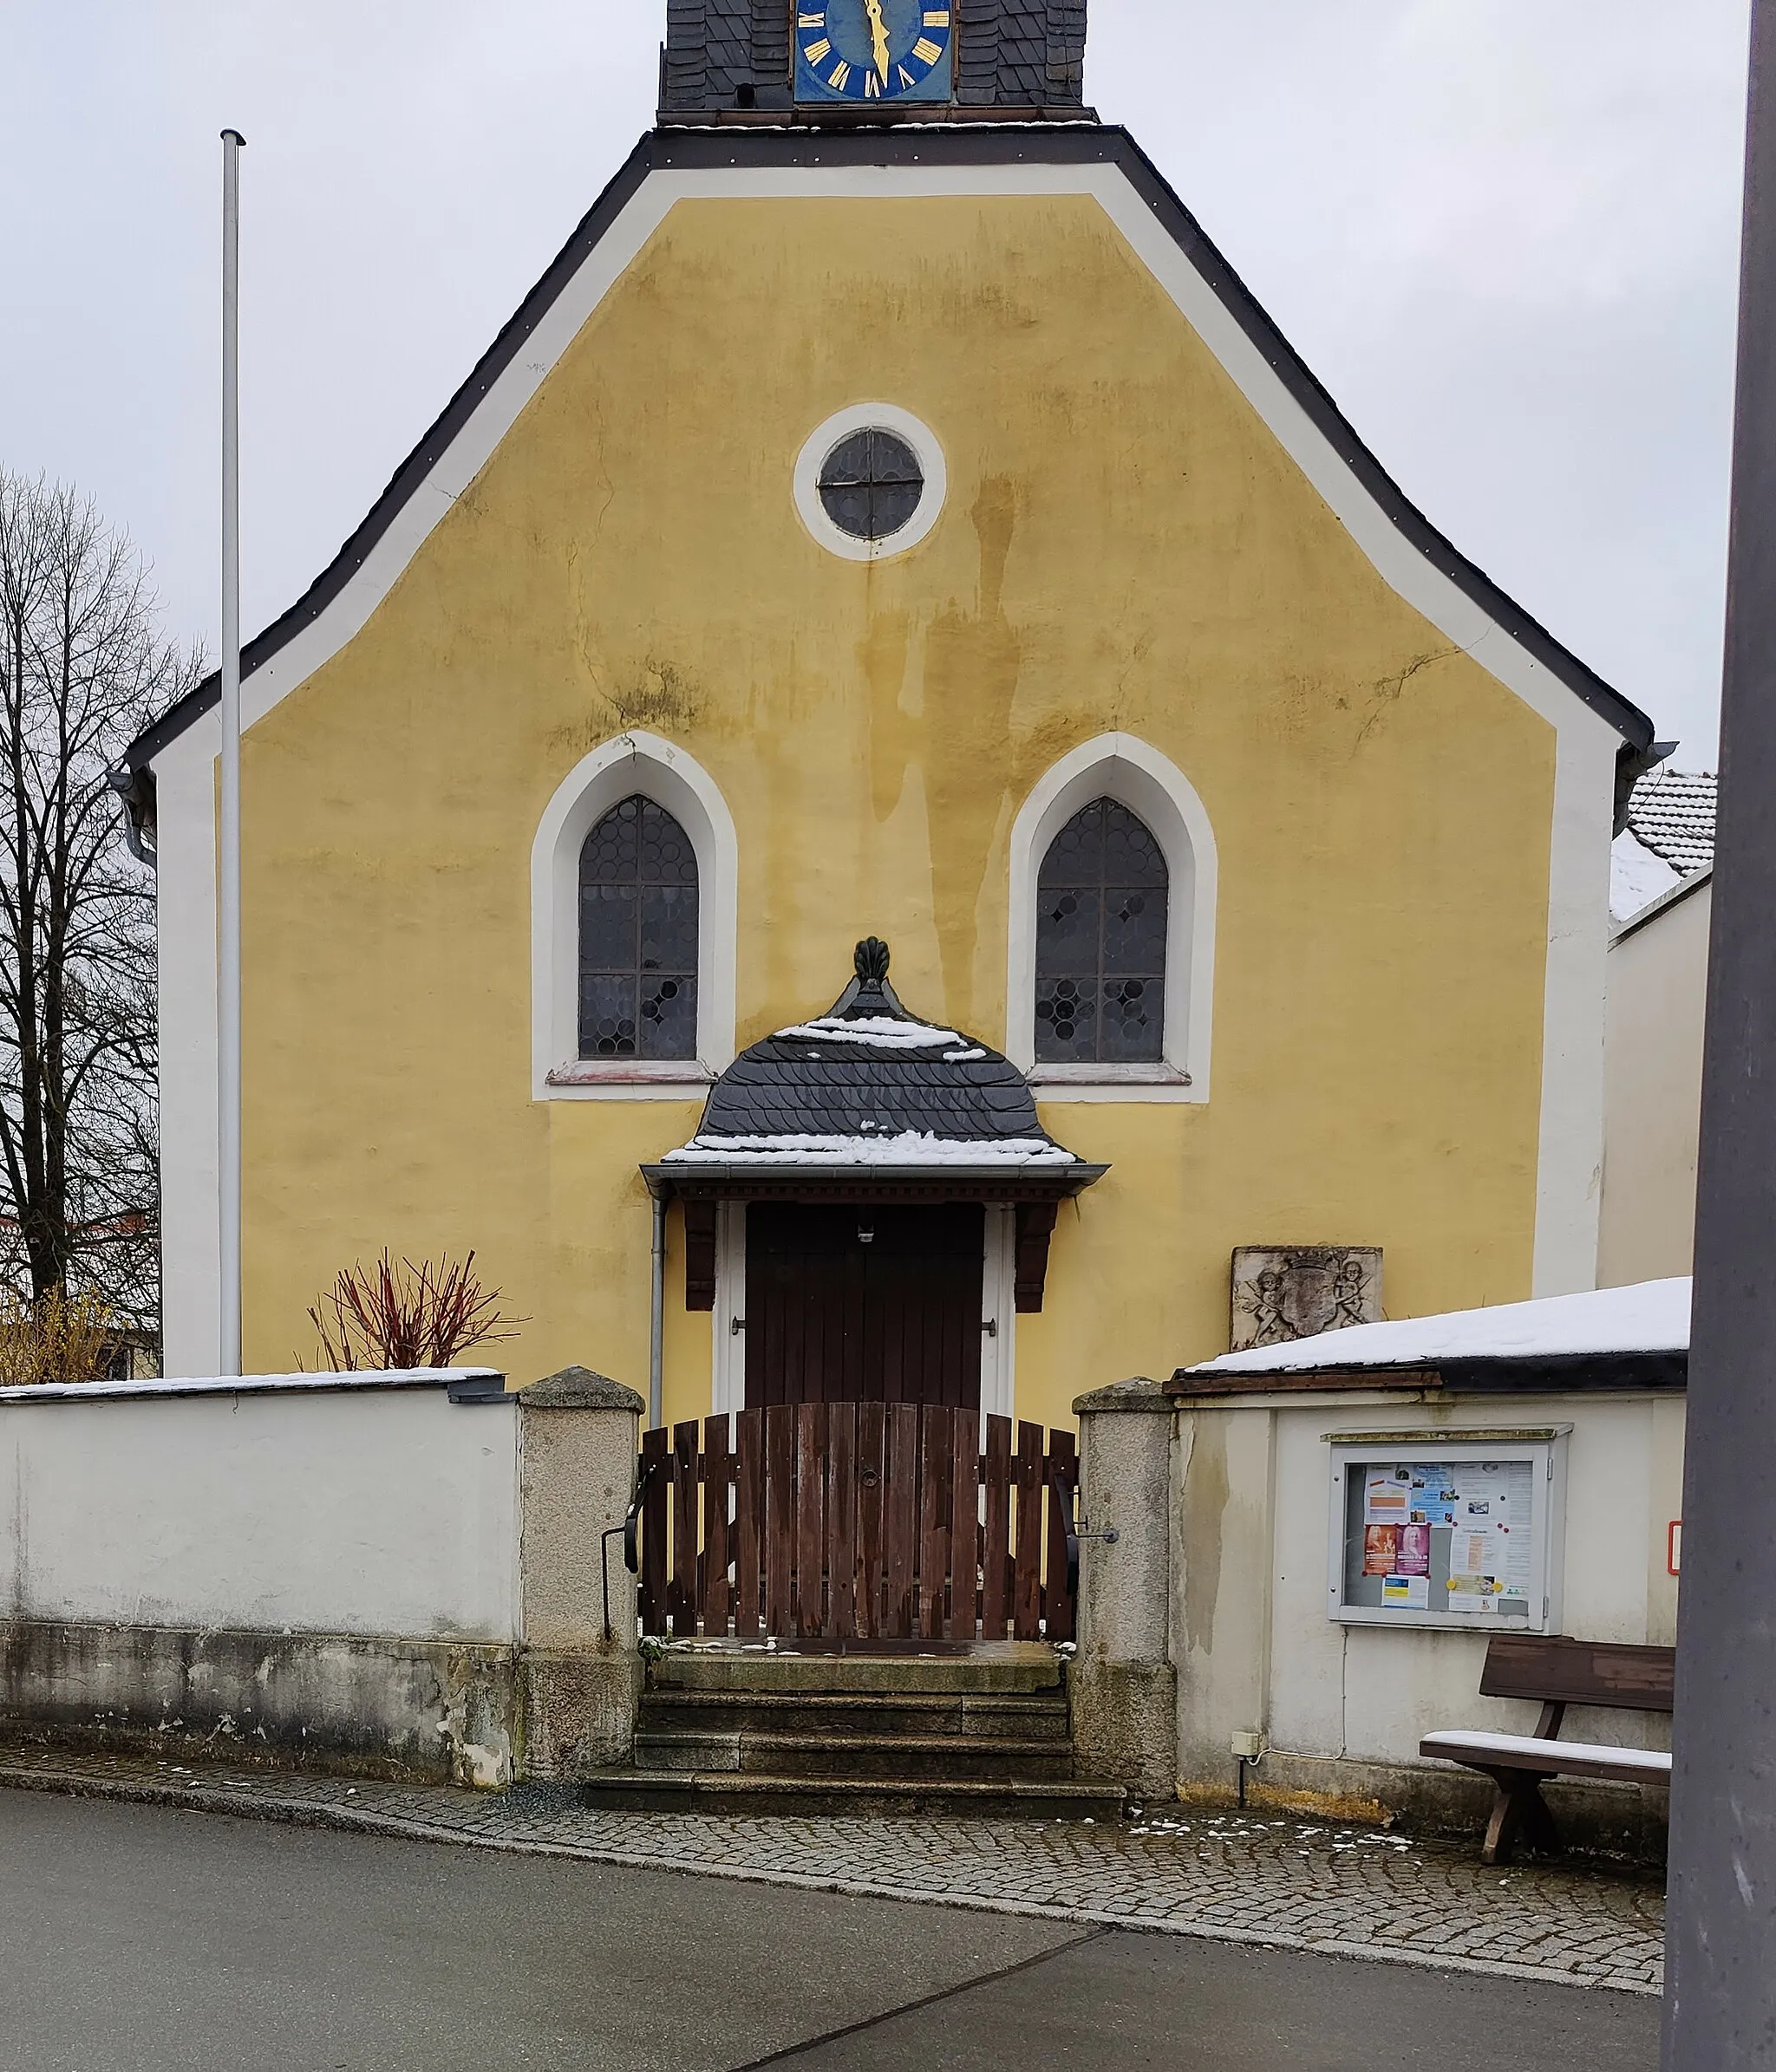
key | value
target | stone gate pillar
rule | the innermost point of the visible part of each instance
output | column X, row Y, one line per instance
column 578, row 1438
column 1125, row 1684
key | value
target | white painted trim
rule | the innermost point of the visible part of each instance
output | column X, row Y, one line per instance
column 1570, row 1154
column 1572, row 1075
column 617, row 769
column 863, row 417
column 1110, row 1082
column 1122, row 767
column 727, row 1350
column 999, row 1306
column 191, row 1252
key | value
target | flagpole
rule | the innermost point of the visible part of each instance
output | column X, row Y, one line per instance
column 228, row 1002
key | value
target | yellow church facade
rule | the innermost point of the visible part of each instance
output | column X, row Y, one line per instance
column 618, row 642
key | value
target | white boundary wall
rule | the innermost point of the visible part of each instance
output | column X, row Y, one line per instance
column 352, row 1504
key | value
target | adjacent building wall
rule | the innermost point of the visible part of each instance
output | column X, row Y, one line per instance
column 1655, row 1008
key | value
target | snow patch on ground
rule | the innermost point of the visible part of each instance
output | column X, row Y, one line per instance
column 1652, row 1316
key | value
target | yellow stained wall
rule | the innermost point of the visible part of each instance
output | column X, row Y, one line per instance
column 1124, row 546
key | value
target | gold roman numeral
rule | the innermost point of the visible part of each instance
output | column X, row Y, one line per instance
column 906, row 77
column 819, row 21
column 839, row 74
column 873, row 90
column 815, row 52
column 936, row 17
column 927, row 51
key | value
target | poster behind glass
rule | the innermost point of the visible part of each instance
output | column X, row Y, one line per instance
column 1449, row 1539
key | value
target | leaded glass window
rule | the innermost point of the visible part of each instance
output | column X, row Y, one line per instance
column 872, row 484
column 1101, row 908
column 638, row 937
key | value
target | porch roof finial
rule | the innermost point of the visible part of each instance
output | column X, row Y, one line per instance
column 870, row 962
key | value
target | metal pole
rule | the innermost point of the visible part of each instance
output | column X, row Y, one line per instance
column 1720, row 1975
column 228, row 992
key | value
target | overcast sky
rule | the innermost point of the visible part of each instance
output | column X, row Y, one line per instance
column 1503, row 233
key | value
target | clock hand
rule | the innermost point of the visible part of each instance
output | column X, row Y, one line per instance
column 878, row 35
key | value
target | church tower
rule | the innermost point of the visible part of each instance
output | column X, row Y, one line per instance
column 874, row 60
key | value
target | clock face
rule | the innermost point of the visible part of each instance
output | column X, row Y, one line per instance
column 865, row 50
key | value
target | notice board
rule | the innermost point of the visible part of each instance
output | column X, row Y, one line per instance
column 1447, row 1531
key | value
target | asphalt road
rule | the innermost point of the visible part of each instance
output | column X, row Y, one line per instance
column 134, row 1939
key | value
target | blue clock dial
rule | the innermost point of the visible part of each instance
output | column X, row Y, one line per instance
column 866, row 50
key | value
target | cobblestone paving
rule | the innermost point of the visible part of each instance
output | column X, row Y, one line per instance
column 1283, row 1882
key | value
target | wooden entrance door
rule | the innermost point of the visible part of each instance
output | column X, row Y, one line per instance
column 864, row 1305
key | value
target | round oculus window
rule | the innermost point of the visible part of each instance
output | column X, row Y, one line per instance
column 872, row 485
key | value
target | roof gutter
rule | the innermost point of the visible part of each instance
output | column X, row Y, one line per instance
column 139, row 796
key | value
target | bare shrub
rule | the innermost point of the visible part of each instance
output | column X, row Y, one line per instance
column 392, row 1315
column 59, row 1337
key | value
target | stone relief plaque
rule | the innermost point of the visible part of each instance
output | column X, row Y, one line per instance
column 1286, row 1292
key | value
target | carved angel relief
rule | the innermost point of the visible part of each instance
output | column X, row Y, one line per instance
column 1283, row 1292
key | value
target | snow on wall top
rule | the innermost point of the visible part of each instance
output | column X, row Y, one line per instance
column 249, row 1384
column 1652, row 1316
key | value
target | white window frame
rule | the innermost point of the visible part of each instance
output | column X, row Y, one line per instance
column 617, row 769
column 870, row 417
column 1545, row 1449
column 1123, row 767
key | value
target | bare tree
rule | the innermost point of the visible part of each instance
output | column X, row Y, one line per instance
column 83, row 668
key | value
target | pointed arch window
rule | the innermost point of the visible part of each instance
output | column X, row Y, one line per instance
column 1103, row 901
column 638, row 926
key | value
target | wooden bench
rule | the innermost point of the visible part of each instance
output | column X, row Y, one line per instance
column 1560, row 1672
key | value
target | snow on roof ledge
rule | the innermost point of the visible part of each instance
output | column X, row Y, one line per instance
column 909, row 1148
column 468, row 1378
column 1651, row 1316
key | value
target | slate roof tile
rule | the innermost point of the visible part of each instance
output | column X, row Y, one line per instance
column 822, row 1079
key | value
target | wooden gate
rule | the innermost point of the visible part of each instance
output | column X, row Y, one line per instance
column 858, row 1520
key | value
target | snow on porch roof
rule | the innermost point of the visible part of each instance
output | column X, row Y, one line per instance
column 1646, row 1325
column 871, row 1093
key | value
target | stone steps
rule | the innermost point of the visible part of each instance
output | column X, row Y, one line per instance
column 973, row 1798
column 914, row 1729
column 890, row 1757
column 1042, row 1717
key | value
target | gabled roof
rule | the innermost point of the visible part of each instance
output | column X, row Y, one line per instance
column 909, row 145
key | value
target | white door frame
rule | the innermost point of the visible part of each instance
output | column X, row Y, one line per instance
column 998, row 1308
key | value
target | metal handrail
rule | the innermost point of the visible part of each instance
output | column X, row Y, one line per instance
column 631, row 1558
column 1076, row 1531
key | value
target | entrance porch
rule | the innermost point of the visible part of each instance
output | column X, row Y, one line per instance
column 867, row 1209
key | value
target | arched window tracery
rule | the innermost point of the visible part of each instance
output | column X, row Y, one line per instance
column 1103, row 901
column 638, row 926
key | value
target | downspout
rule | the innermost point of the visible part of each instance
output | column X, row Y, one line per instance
column 657, row 1321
